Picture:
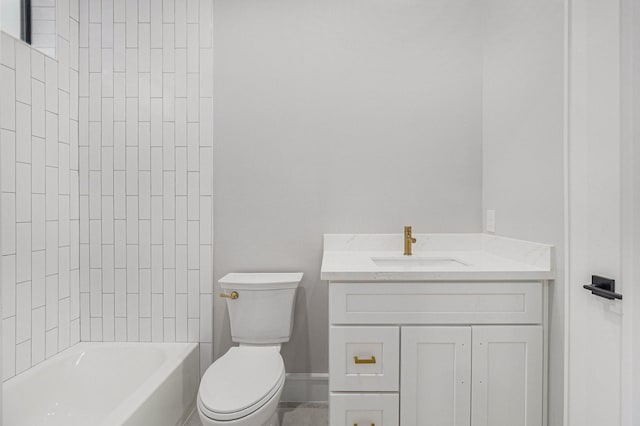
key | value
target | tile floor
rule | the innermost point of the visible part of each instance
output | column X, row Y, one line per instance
column 291, row 414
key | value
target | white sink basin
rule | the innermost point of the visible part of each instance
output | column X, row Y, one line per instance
column 418, row 261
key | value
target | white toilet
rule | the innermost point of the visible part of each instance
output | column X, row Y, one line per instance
column 243, row 387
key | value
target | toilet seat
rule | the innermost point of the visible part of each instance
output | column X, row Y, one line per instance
column 241, row 382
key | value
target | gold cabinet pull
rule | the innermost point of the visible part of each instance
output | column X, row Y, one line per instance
column 371, row 360
column 356, row 424
column 233, row 296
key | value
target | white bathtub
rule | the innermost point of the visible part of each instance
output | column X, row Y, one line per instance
column 106, row 384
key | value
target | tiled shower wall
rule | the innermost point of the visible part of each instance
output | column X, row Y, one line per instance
column 146, row 121
column 39, row 217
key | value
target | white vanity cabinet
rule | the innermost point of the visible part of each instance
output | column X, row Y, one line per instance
column 437, row 353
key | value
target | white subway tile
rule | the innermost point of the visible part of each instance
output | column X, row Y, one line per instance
column 108, row 318
column 51, row 140
column 63, row 324
column 51, row 302
column 95, row 244
column 119, row 10
column 52, row 193
column 132, row 318
column 51, row 342
column 132, row 219
column 107, row 170
column 156, row 220
column 23, row 73
column 38, row 165
column 52, row 247
column 7, row 161
column 107, row 220
column 132, row 23
column 121, row 329
column 156, row 23
column 206, row 326
column 63, row 116
column 95, row 285
column 181, row 268
column 181, row 122
column 8, row 347
column 193, row 11
column 144, row 48
column 193, row 147
column 23, row 192
column 120, row 243
column 168, row 48
column 38, row 335
column 206, row 172
column 193, row 98
column 23, row 311
column 193, row 185
column 193, row 244
column 23, row 132
column 181, row 23
column 206, row 269
column 7, row 50
column 8, row 276
column 85, row 329
column 119, row 48
column 206, row 220
column 23, row 356
column 145, row 293
column 181, row 220
column 156, row 73
column 144, row 11
column 132, row 74
column 193, row 293
column 206, row 23
column 120, row 292
column 169, row 249
column 144, row 244
column 169, row 203
column 107, row 23
column 107, row 73
column 38, row 222
column 132, row 269
column 181, row 74
column 157, row 271
column 157, row 318
column 96, row 329
column 95, row 48
column 169, row 293
column 7, row 98
column 37, row 65
column 145, row 195
column 8, row 223
column 193, row 331
column 108, row 269
column 168, row 96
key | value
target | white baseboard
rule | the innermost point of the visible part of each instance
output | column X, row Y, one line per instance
column 306, row 387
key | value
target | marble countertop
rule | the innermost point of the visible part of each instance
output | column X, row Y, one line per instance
column 454, row 257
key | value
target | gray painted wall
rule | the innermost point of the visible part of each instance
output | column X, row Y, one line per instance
column 523, row 141
column 339, row 116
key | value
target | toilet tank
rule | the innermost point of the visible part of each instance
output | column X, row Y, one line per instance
column 263, row 311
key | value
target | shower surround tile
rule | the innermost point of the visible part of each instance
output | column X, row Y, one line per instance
column 148, row 195
column 39, row 197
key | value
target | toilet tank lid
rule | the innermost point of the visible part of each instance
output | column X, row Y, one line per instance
column 263, row 279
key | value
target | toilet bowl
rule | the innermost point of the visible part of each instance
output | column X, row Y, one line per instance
column 243, row 387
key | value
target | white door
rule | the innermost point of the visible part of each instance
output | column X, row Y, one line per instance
column 599, row 216
column 435, row 376
column 507, row 376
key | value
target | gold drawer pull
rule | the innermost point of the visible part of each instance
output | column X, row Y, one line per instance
column 356, row 424
column 233, row 296
column 371, row 360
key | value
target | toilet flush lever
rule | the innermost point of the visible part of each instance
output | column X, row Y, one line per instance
column 233, row 296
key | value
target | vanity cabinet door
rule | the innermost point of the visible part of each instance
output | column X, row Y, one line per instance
column 507, row 376
column 435, row 379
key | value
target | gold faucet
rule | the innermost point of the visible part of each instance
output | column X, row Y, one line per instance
column 408, row 240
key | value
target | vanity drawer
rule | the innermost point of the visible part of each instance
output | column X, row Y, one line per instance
column 364, row 358
column 364, row 409
column 436, row 303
